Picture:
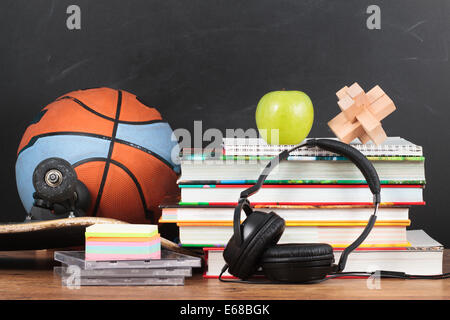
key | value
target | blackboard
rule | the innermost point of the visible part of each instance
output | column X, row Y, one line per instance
column 212, row 60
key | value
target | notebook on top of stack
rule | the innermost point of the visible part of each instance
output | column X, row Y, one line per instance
column 322, row 196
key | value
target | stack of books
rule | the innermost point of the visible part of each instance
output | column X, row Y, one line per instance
column 322, row 196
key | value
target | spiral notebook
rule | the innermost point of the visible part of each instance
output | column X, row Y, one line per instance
column 393, row 146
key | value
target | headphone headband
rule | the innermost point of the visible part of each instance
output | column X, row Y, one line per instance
column 365, row 166
column 354, row 155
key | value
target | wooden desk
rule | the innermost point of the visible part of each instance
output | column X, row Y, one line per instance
column 29, row 275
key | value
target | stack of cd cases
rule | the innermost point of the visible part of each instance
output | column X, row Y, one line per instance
column 170, row 270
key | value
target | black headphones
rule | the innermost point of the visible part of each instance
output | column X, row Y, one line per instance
column 254, row 242
column 58, row 192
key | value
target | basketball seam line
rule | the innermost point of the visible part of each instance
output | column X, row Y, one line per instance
column 130, row 174
column 94, row 135
column 157, row 156
column 110, row 151
column 85, row 106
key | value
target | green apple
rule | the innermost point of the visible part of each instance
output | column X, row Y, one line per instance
column 289, row 112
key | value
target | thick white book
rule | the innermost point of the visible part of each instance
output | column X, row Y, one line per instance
column 423, row 257
column 300, row 171
column 340, row 236
column 310, row 214
column 304, row 194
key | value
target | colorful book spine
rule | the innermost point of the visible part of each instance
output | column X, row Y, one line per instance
column 310, row 223
column 237, row 182
column 300, row 204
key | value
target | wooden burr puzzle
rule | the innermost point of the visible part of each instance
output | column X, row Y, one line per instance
column 361, row 114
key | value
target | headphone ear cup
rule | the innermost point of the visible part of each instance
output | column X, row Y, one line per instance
column 260, row 230
column 298, row 263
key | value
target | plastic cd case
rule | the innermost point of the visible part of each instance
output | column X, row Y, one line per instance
column 74, row 282
column 62, row 271
column 169, row 259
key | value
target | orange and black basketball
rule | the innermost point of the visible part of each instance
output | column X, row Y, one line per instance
column 120, row 148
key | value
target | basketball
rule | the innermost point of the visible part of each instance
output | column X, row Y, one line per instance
column 121, row 149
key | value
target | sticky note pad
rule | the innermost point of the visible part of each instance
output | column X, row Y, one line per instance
column 122, row 230
column 122, row 242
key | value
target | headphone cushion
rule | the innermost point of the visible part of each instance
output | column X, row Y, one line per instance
column 298, row 263
column 298, row 252
column 255, row 244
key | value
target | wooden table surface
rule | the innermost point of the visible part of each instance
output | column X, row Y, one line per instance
column 29, row 275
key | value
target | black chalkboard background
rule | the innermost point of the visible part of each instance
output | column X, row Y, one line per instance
column 212, row 60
